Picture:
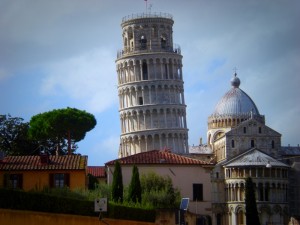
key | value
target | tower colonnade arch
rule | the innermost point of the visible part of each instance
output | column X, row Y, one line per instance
column 136, row 142
column 148, row 68
column 147, row 93
column 133, row 120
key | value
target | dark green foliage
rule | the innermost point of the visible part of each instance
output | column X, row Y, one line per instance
column 251, row 208
column 92, row 182
column 34, row 201
column 118, row 211
column 60, row 125
column 135, row 189
column 158, row 191
column 117, row 184
column 55, row 202
column 14, row 138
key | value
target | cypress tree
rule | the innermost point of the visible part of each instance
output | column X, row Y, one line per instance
column 250, row 201
column 117, row 184
column 135, row 190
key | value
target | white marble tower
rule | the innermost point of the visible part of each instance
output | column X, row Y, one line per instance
column 150, row 86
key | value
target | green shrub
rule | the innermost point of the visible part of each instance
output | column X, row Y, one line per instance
column 158, row 191
column 119, row 211
column 35, row 201
column 52, row 201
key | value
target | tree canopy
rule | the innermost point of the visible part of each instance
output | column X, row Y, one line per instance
column 117, row 184
column 250, row 201
column 14, row 139
column 158, row 191
column 58, row 125
column 135, row 189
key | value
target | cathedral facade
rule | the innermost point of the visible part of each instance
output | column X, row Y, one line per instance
column 243, row 146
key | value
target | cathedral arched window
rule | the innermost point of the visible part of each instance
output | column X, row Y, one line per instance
column 252, row 143
column 245, row 130
column 273, row 144
column 259, row 130
column 232, row 143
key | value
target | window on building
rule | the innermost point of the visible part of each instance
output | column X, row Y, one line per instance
column 163, row 42
column 245, row 130
column 267, row 188
column 13, row 181
column 166, row 71
column 59, row 180
column 141, row 102
column 232, row 143
column 145, row 71
column 143, row 42
column 259, row 130
column 252, row 143
column 197, row 192
column 219, row 219
column 273, row 144
column 260, row 192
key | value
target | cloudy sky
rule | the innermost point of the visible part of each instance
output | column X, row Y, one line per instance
column 61, row 53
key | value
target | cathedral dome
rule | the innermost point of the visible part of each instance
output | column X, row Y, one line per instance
column 235, row 102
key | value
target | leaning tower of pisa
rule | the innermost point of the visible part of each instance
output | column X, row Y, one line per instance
column 150, row 86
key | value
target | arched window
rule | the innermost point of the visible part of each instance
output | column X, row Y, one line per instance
column 273, row 144
column 245, row 130
column 252, row 143
column 232, row 143
column 163, row 42
column 145, row 71
column 143, row 42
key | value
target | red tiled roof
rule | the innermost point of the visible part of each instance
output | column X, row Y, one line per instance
column 61, row 162
column 96, row 171
column 158, row 157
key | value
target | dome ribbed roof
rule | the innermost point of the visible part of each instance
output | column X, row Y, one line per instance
column 235, row 101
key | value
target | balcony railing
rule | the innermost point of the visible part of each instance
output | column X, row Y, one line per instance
column 148, row 49
column 147, row 15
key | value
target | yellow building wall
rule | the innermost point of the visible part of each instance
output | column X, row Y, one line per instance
column 39, row 179
column 16, row 217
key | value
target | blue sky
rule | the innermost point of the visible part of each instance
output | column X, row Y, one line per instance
column 61, row 53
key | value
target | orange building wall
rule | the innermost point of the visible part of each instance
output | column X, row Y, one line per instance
column 40, row 179
column 16, row 217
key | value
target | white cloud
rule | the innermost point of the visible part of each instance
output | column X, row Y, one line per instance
column 89, row 78
column 3, row 74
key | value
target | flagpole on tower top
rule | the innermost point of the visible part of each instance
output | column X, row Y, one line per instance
column 146, row 6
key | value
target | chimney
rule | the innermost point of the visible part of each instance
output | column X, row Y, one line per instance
column 44, row 157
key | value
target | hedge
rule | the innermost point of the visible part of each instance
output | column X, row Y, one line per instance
column 35, row 201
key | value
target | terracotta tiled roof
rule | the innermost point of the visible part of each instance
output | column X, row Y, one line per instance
column 159, row 157
column 96, row 171
column 61, row 162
